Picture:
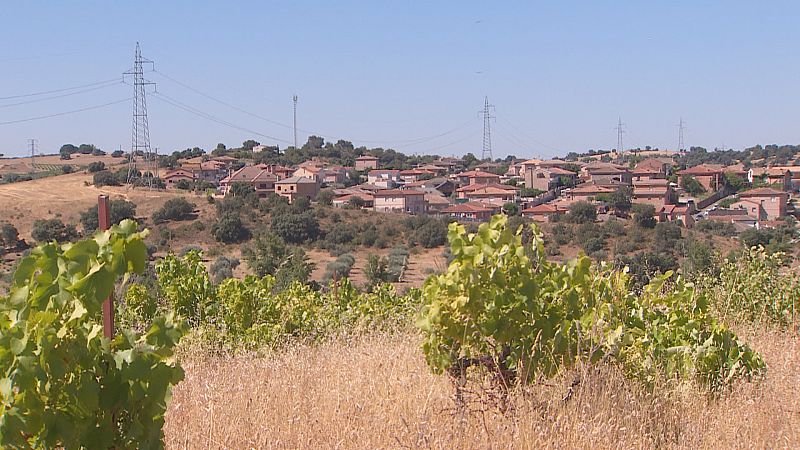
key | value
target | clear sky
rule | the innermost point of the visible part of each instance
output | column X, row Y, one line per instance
column 410, row 75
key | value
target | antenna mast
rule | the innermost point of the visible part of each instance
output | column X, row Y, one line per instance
column 681, row 145
column 140, row 134
column 487, row 129
column 294, row 99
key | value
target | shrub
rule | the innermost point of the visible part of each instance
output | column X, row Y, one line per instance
column 582, row 212
column 265, row 253
column 325, row 197
column 9, row 236
column 230, row 229
column 426, row 231
column 376, row 269
column 45, row 230
column 119, row 210
column 397, row 263
column 65, row 169
column 644, row 215
column 174, row 209
column 66, row 385
column 222, row 268
column 691, row 185
column 340, row 268
column 716, row 227
column 105, row 178
column 295, row 227
column 295, row 268
column 96, row 166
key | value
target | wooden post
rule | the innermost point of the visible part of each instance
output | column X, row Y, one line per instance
column 104, row 220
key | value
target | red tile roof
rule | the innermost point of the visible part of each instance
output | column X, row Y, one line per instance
column 398, row 193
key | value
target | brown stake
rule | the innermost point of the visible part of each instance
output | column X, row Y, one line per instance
column 104, row 220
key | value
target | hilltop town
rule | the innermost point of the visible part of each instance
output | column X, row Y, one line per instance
column 538, row 189
column 648, row 209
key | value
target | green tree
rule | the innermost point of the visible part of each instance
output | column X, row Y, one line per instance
column 96, row 166
column 376, row 269
column 105, row 178
column 582, row 212
column 325, row 197
column 644, row 215
column 511, row 209
column 9, row 236
column 295, row 227
column 692, row 186
column 174, row 209
column 230, row 229
column 265, row 253
column 46, row 230
column 620, row 200
column 295, row 268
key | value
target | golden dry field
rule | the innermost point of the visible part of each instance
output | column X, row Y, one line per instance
column 377, row 392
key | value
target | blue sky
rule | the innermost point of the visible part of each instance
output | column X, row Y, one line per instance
column 392, row 73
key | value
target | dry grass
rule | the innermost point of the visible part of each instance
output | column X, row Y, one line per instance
column 376, row 392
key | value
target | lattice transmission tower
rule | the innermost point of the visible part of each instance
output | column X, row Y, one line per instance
column 620, row 129
column 681, row 145
column 140, row 134
column 487, row 129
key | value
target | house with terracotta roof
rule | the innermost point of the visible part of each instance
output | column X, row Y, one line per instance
column 773, row 201
column 367, row 200
column 543, row 212
column 259, row 178
column 172, row 177
column 400, row 200
column 606, row 174
column 740, row 219
column 708, row 175
column 435, row 201
column 438, row 171
column 385, row 178
column 313, row 171
column 470, row 212
column 412, row 175
column 293, row 188
column 478, row 177
column 681, row 213
column 495, row 192
column 654, row 191
column 281, row 172
column 545, row 179
column 443, row 185
column 366, row 162
column 652, row 168
column 557, row 163
column 783, row 176
column 587, row 192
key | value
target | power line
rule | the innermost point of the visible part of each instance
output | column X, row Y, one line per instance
column 65, row 112
column 327, row 136
column 166, row 99
column 58, row 90
column 527, row 136
column 62, row 95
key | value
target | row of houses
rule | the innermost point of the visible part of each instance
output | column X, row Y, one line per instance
column 444, row 188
